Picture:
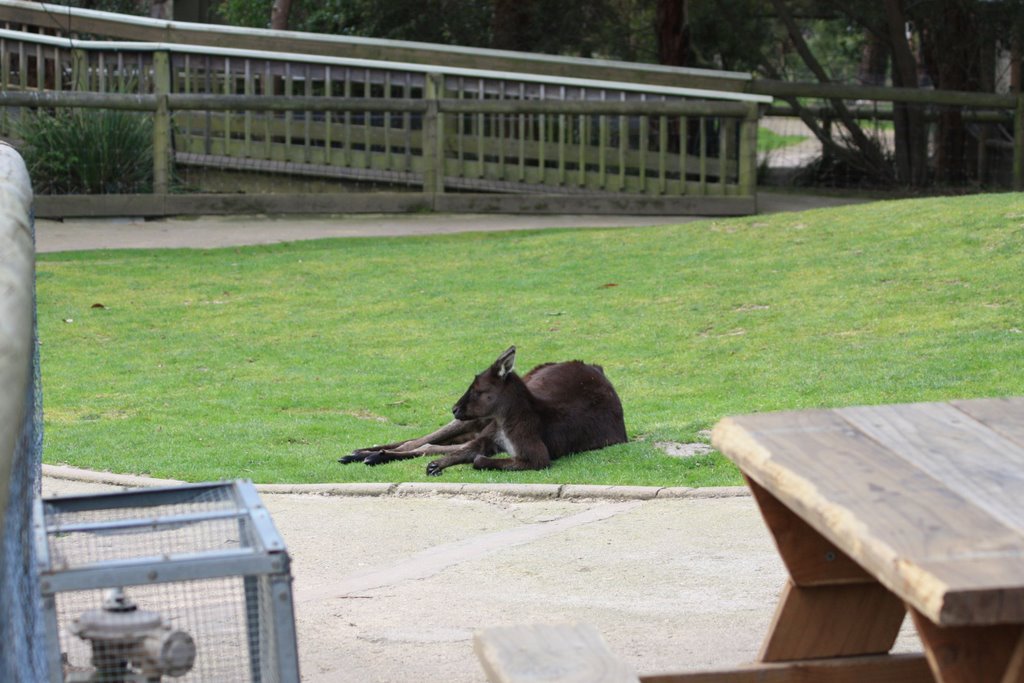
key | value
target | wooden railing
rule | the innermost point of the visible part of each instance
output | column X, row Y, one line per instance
column 442, row 130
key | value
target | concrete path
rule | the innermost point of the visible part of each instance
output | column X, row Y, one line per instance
column 229, row 231
column 390, row 587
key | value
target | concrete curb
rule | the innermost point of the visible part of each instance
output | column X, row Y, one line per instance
column 423, row 488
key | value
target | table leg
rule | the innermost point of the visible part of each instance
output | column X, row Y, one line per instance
column 830, row 607
column 972, row 654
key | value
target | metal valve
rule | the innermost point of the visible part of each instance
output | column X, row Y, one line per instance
column 130, row 645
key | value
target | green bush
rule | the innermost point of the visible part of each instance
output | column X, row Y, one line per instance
column 88, row 151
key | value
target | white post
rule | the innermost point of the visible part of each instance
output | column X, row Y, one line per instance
column 17, row 275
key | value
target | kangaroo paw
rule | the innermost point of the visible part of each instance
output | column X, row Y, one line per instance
column 355, row 457
column 372, row 458
column 434, row 468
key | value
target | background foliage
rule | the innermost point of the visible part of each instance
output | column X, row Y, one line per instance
column 87, row 151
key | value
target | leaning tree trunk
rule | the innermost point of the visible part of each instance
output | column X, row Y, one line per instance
column 865, row 152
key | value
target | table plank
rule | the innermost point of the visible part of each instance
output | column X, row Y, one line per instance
column 546, row 653
column 907, row 668
column 1002, row 415
column 964, row 454
column 906, row 527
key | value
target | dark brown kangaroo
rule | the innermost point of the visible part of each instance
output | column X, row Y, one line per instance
column 553, row 410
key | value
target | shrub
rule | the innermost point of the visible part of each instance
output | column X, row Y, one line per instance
column 88, row 151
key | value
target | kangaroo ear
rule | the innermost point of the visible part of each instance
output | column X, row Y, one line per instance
column 506, row 362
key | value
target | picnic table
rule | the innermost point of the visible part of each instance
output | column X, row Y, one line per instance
column 880, row 511
column 877, row 512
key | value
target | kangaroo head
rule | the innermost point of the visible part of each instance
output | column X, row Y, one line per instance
column 483, row 396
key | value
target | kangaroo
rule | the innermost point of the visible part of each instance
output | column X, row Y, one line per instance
column 553, row 410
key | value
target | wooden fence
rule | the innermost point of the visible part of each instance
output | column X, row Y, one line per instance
column 466, row 139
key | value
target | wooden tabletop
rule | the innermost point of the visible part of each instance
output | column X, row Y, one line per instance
column 927, row 497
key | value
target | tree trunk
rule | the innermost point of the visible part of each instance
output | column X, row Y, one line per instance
column 874, row 60
column 279, row 14
column 511, row 25
column 672, row 26
column 908, row 120
column 161, row 9
column 952, row 58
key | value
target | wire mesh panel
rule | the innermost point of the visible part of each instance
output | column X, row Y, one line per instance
column 201, row 565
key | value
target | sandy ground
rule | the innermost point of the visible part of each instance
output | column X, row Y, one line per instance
column 391, row 588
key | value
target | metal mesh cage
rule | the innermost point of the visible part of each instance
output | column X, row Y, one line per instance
column 204, row 559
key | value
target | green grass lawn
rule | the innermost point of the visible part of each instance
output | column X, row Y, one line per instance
column 271, row 362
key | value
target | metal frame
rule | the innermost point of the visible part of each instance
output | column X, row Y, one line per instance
column 265, row 562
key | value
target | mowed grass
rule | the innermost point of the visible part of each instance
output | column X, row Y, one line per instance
column 271, row 362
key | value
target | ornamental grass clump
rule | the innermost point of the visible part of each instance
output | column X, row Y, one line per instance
column 88, row 151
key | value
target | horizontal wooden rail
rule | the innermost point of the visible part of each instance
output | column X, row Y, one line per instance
column 65, row 20
column 181, row 102
column 830, row 91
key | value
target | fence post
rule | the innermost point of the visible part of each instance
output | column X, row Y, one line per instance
column 79, row 70
column 748, row 151
column 1018, row 144
column 161, row 122
column 433, row 137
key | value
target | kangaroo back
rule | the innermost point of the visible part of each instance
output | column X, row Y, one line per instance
column 580, row 407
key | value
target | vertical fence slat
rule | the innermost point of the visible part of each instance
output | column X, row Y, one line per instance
column 328, row 117
column 268, row 116
column 387, row 123
column 307, row 127
column 502, row 121
column 161, row 123
column 367, row 122
column 40, row 69
column 623, row 141
column 542, row 134
column 289, row 85
column 748, row 152
column 684, row 156
column 23, row 67
column 347, row 131
column 407, row 123
column 433, row 136
column 643, row 145
column 663, row 134
column 724, row 137
column 249, row 89
column 208, row 115
column 460, row 129
column 1018, row 144
column 480, row 133
column 226, row 144
column 602, row 149
column 583, row 143
column 58, row 80
column 703, row 155
column 560, row 124
column 522, row 135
